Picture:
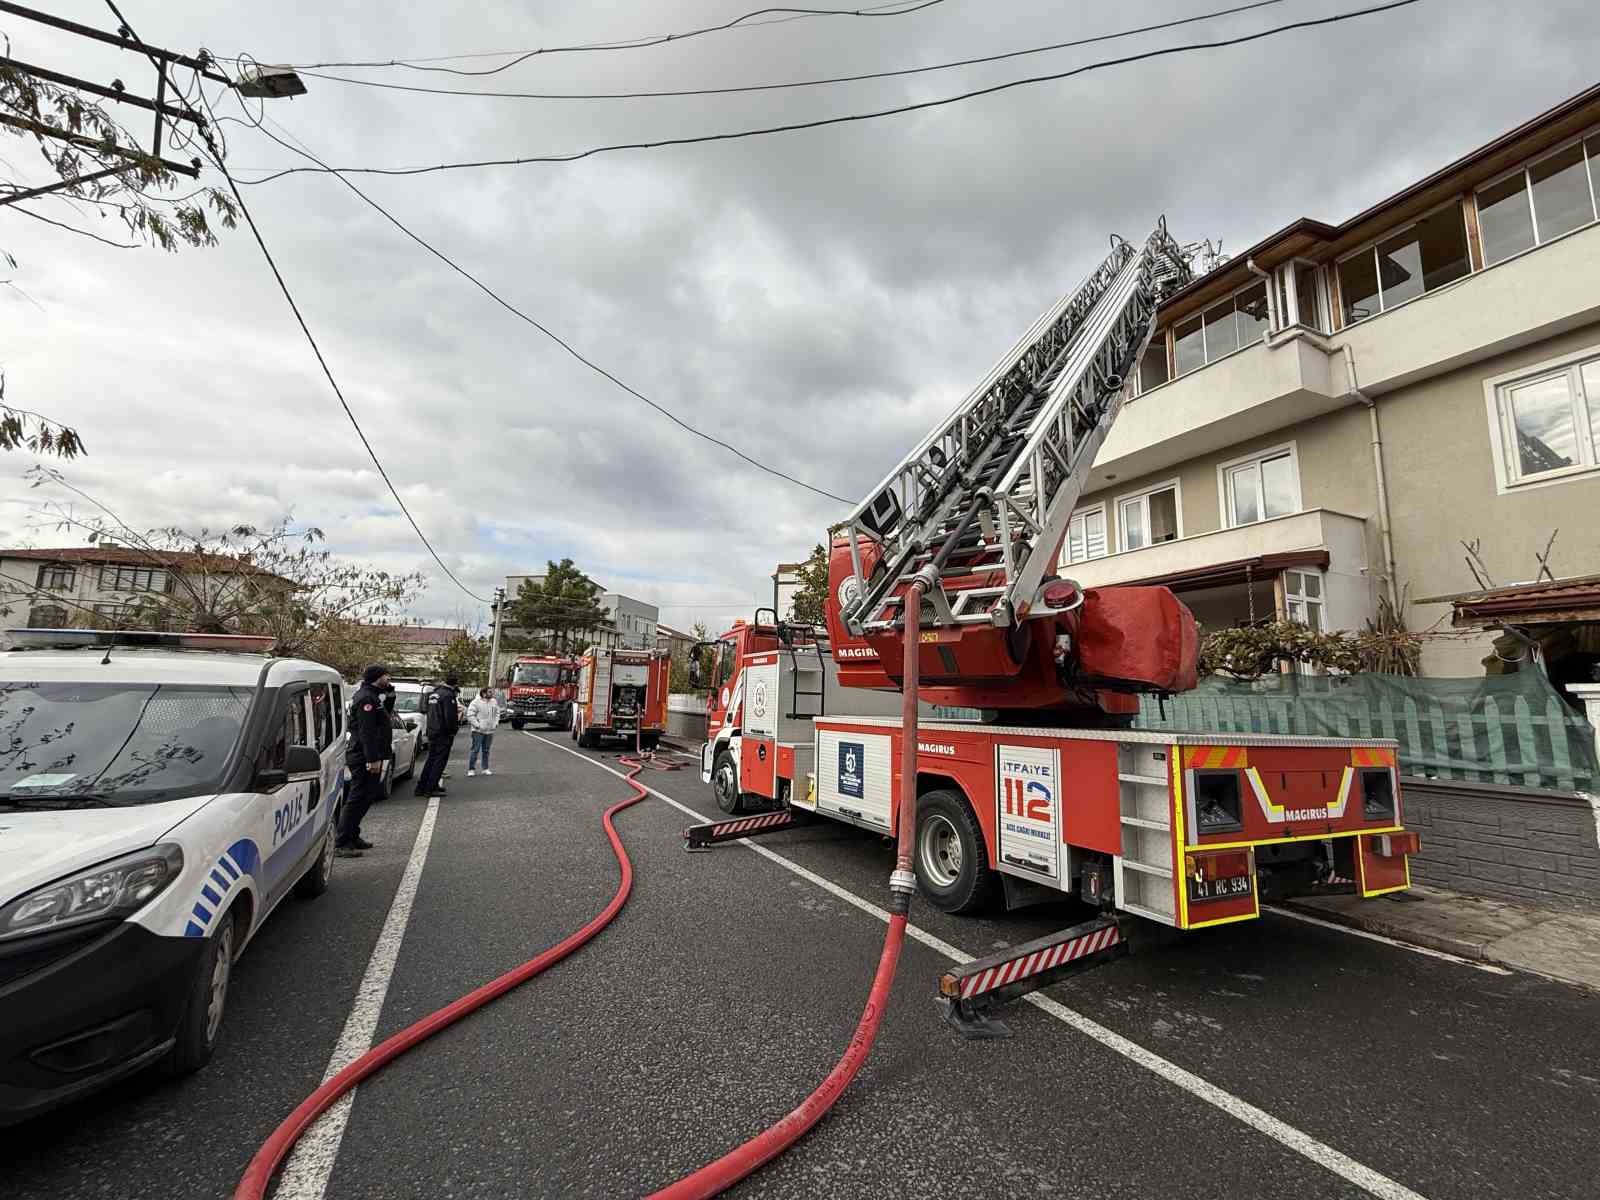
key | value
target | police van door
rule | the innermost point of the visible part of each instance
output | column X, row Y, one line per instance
column 290, row 814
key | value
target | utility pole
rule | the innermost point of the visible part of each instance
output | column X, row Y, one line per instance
column 494, row 644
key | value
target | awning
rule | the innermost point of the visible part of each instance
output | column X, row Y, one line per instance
column 1243, row 570
column 1545, row 603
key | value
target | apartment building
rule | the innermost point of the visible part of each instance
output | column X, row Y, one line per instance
column 634, row 620
column 111, row 585
column 1324, row 419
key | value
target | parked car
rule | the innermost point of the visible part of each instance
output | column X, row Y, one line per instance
column 407, row 743
column 410, row 701
column 190, row 784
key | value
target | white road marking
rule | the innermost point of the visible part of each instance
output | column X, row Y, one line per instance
column 310, row 1165
column 1300, row 1142
column 1294, row 915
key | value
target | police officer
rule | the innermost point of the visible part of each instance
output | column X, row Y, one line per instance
column 371, row 744
column 444, row 718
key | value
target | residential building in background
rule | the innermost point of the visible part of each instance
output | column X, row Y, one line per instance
column 785, row 583
column 634, row 620
column 1323, row 420
column 674, row 641
column 78, row 586
column 413, row 649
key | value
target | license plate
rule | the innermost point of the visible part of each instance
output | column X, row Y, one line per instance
column 1226, row 888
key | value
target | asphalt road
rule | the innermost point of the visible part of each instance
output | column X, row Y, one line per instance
column 1262, row 1060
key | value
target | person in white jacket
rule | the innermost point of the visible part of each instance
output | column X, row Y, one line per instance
column 483, row 716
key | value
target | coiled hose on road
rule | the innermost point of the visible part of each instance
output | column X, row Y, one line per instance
column 715, row 1177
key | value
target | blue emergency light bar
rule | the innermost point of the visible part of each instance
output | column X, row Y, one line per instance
column 76, row 639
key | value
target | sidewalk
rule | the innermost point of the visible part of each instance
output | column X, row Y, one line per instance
column 1558, row 945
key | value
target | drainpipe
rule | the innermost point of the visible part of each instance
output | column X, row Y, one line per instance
column 1377, row 467
column 1273, row 316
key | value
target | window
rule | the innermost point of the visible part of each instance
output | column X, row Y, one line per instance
column 1539, row 202
column 1306, row 290
column 1548, row 422
column 1237, row 322
column 47, row 616
column 1153, row 366
column 322, row 718
column 294, row 730
column 1086, row 536
column 1302, row 594
column 1148, row 518
column 1428, row 255
column 114, row 614
column 132, row 579
column 57, row 579
column 1262, row 487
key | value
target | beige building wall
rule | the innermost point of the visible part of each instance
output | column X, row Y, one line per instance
column 1444, row 490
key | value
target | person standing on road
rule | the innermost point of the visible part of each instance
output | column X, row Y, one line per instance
column 483, row 715
column 444, row 720
column 370, row 745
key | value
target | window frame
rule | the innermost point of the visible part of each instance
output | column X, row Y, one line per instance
column 1524, row 169
column 1320, row 601
column 1172, row 363
column 47, row 573
column 1175, row 486
column 1105, row 535
column 1502, row 435
column 1225, row 499
column 1371, row 247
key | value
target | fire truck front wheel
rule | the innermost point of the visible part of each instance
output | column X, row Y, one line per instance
column 951, row 860
column 725, row 783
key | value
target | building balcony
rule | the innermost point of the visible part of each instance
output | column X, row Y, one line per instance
column 1229, row 576
column 1247, row 394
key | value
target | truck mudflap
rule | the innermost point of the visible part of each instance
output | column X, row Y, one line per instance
column 968, row 993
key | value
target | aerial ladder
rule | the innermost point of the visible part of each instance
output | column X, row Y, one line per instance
column 973, row 518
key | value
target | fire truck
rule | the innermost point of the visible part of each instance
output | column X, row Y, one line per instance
column 621, row 693
column 540, row 687
column 943, row 590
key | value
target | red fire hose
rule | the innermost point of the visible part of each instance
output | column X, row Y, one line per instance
column 715, row 1177
column 253, row 1184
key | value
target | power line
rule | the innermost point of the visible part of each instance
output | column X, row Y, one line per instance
column 641, row 43
column 802, row 83
column 825, row 121
column 556, row 338
column 304, row 328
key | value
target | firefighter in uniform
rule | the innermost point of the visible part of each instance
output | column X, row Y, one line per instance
column 371, row 744
column 444, row 719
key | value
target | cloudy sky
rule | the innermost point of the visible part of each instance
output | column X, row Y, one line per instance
column 816, row 298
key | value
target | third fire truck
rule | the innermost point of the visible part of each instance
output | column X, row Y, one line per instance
column 1050, row 790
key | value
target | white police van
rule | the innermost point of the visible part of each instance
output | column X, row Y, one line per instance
column 160, row 794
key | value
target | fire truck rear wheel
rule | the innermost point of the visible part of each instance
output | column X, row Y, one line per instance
column 725, row 783
column 516, row 724
column 951, row 860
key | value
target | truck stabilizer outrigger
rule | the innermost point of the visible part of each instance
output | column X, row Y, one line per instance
column 968, row 994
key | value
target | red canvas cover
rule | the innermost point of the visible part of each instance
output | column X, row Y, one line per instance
column 1144, row 637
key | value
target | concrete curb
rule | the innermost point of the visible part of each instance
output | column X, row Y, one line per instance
column 1375, row 923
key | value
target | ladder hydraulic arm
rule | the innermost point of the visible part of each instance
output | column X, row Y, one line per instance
column 978, row 510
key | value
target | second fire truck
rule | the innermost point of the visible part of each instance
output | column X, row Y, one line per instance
column 621, row 693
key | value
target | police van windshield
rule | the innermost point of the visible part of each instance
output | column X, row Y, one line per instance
column 117, row 743
column 537, row 674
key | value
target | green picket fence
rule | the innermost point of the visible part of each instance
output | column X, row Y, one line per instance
column 1507, row 729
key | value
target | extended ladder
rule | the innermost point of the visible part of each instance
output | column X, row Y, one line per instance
column 986, row 497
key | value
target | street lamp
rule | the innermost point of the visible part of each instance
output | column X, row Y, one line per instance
column 262, row 82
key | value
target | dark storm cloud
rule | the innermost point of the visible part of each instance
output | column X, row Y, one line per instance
column 817, row 298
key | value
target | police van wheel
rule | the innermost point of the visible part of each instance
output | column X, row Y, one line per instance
column 315, row 881
column 725, row 783
column 208, row 998
column 951, row 860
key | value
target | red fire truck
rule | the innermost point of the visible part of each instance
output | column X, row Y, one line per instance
column 621, row 693
column 942, row 586
column 540, row 687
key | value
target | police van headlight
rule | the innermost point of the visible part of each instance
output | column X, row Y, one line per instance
column 117, row 888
